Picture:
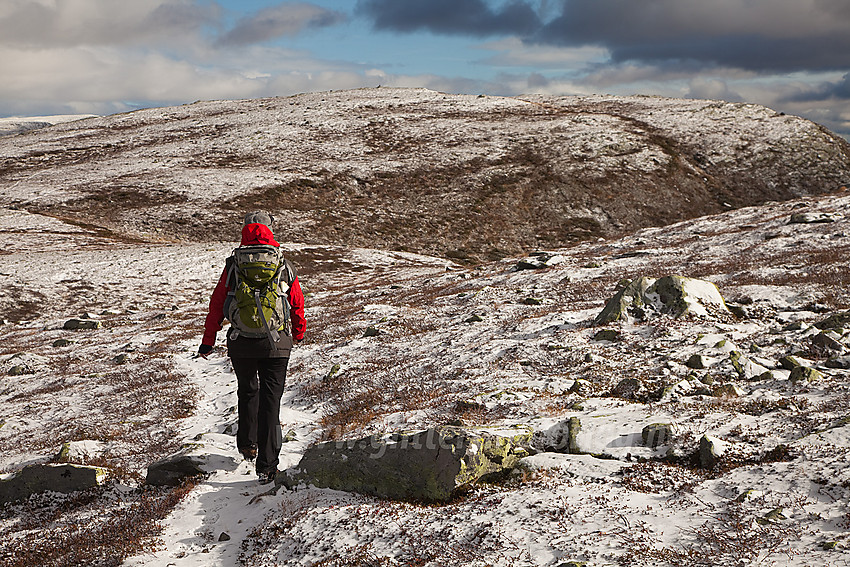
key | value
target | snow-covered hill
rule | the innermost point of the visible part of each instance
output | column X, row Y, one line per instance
column 487, row 345
column 463, row 177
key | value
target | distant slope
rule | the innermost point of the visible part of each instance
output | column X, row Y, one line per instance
column 409, row 169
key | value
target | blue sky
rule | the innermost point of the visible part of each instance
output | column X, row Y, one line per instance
column 106, row 56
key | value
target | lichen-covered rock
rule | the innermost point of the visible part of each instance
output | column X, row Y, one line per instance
column 789, row 362
column 835, row 321
column 674, row 295
column 805, row 374
column 746, row 368
column 560, row 438
column 428, row 465
column 65, row 478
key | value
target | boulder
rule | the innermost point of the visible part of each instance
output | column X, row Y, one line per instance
column 428, row 465
column 711, row 450
column 539, row 261
column 835, row 321
column 697, row 362
column 814, row 217
column 746, row 368
column 842, row 362
column 805, row 374
column 560, row 438
column 610, row 335
column 65, row 478
column 656, row 434
column 828, row 341
column 673, row 295
column 172, row 470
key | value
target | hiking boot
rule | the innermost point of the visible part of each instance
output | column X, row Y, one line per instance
column 249, row 453
column 268, row 476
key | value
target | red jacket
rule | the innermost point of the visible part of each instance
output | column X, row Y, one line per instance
column 253, row 234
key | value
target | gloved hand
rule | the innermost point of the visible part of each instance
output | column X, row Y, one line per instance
column 204, row 350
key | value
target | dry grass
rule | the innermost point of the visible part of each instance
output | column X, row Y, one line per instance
column 91, row 528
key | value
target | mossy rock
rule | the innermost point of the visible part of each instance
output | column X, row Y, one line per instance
column 428, row 465
column 804, row 374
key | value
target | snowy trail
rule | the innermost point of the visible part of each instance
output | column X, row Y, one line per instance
column 209, row 525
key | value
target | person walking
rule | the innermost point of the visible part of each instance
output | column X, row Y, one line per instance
column 259, row 293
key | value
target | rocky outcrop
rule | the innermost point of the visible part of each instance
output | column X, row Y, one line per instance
column 672, row 295
column 65, row 478
column 427, row 465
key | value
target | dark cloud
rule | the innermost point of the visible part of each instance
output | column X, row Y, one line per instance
column 286, row 19
column 464, row 17
column 755, row 35
column 760, row 36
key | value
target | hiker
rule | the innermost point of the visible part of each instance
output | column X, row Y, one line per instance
column 259, row 293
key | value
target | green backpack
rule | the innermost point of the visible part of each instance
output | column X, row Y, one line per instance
column 257, row 304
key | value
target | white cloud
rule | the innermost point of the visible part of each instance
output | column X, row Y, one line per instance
column 66, row 23
column 513, row 52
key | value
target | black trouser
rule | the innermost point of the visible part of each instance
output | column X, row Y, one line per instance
column 260, row 387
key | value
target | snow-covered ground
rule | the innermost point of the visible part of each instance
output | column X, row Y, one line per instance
column 488, row 345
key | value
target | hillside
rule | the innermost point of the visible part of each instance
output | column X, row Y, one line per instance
column 114, row 230
column 490, row 346
column 465, row 177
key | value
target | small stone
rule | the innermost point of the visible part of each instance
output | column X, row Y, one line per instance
column 81, row 325
column 224, row 537
column 607, row 335
column 473, row 319
column 61, row 343
column 727, row 391
column 775, row 515
column 696, row 361
column 19, row 370
column 532, row 301
column 371, row 332
column 121, row 358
